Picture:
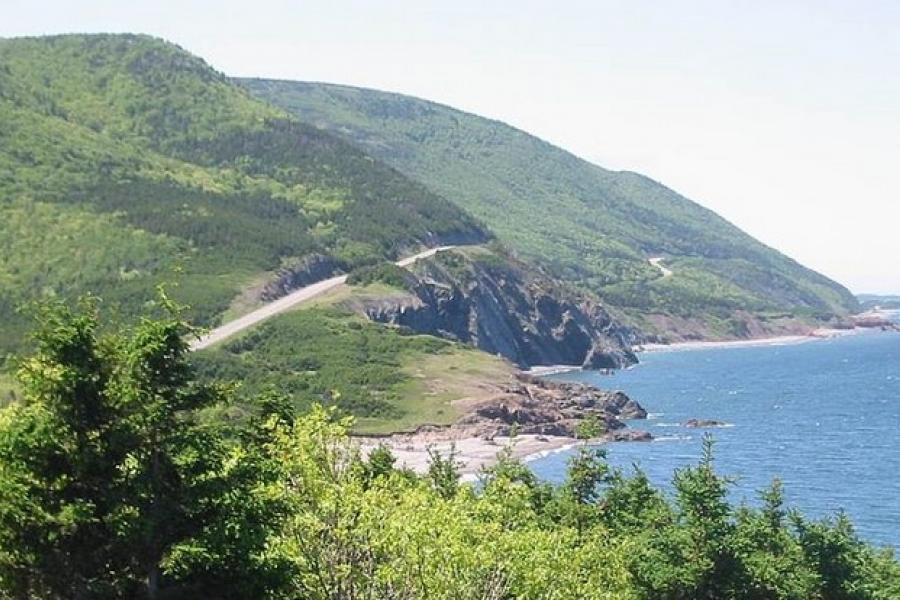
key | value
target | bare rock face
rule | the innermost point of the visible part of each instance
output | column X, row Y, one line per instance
column 536, row 406
column 306, row 271
column 504, row 307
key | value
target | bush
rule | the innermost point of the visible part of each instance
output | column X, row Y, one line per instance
column 384, row 272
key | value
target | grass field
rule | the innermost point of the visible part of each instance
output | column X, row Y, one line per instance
column 438, row 387
column 388, row 378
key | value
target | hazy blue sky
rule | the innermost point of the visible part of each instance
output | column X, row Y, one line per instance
column 783, row 116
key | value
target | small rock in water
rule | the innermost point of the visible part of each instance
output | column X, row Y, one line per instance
column 703, row 423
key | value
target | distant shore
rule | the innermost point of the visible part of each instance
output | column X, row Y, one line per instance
column 876, row 317
column 780, row 340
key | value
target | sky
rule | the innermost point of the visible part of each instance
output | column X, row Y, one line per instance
column 781, row 115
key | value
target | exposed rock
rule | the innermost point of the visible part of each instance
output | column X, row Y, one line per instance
column 505, row 307
column 306, row 271
column 874, row 320
column 530, row 405
column 703, row 423
column 629, row 435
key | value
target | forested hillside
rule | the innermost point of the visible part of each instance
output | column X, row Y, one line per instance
column 588, row 225
column 126, row 162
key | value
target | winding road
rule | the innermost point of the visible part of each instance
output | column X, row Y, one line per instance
column 657, row 262
column 284, row 303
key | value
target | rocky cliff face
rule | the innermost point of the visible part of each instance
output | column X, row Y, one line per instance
column 305, row 271
column 504, row 307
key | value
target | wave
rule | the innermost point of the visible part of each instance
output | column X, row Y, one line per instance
column 545, row 453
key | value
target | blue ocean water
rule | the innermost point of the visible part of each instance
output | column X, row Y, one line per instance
column 823, row 416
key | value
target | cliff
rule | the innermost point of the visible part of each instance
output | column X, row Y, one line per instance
column 502, row 306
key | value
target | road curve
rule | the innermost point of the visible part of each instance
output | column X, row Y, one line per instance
column 284, row 303
column 657, row 262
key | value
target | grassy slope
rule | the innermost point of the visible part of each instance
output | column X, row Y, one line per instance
column 389, row 379
column 589, row 225
column 125, row 161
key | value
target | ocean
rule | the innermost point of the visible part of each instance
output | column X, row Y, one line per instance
column 823, row 416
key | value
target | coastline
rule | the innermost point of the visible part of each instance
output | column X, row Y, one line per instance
column 779, row 340
column 544, row 370
column 872, row 321
column 471, row 453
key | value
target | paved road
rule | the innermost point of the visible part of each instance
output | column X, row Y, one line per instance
column 284, row 303
column 657, row 262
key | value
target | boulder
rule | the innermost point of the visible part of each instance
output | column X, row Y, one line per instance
column 530, row 405
column 703, row 423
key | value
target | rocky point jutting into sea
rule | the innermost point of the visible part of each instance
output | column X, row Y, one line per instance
column 529, row 415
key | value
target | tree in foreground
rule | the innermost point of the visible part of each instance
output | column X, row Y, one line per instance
column 108, row 478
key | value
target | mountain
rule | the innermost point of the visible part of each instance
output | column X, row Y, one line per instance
column 876, row 301
column 126, row 162
column 596, row 228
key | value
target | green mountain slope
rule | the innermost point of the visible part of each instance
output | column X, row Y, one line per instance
column 591, row 226
column 125, row 162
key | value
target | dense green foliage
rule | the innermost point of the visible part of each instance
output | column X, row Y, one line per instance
column 111, row 487
column 588, row 225
column 125, row 161
column 384, row 272
column 321, row 356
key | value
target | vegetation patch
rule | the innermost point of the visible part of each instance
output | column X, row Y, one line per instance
column 9, row 390
column 438, row 386
column 386, row 273
column 332, row 358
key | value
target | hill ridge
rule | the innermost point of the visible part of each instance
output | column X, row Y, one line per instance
column 126, row 161
column 591, row 226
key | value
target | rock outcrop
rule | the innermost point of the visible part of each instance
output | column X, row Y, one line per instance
column 874, row 320
column 306, row 271
column 504, row 307
column 531, row 405
column 703, row 423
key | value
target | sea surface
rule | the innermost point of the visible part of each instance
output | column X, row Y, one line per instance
column 823, row 416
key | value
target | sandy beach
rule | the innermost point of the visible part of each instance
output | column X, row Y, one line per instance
column 472, row 453
column 782, row 340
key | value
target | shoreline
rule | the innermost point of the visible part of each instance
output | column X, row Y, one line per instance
column 474, row 453
column 882, row 317
column 471, row 453
column 777, row 340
